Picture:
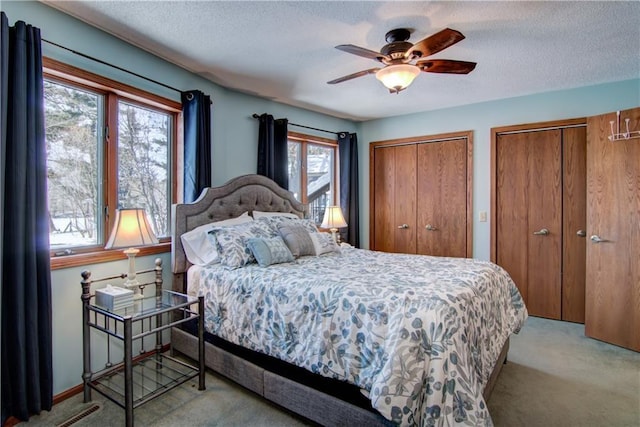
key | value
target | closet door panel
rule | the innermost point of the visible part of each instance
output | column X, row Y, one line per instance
column 512, row 201
column 574, row 207
column 384, row 196
column 428, row 195
column 442, row 198
column 613, row 214
column 405, row 199
column 545, row 213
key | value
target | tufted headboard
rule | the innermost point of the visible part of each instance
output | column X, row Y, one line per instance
column 239, row 195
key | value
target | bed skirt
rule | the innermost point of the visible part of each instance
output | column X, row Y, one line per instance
column 342, row 406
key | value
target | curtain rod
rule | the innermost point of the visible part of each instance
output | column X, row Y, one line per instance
column 256, row 116
column 111, row 65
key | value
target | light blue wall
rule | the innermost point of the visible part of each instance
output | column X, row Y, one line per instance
column 234, row 150
column 480, row 118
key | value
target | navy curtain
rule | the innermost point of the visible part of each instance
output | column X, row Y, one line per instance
column 196, row 110
column 349, row 200
column 272, row 149
column 27, row 381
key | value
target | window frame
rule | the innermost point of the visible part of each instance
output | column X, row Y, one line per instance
column 303, row 140
column 113, row 92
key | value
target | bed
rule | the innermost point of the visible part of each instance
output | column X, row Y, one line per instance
column 349, row 337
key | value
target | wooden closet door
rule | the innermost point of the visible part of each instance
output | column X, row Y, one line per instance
column 545, row 212
column 442, row 198
column 405, row 200
column 394, row 199
column 511, row 205
column 613, row 215
column 529, row 217
column 574, row 222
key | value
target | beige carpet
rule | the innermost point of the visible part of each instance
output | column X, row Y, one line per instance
column 555, row 376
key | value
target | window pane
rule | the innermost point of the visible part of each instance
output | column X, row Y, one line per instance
column 319, row 179
column 144, row 137
column 294, row 169
column 73, row 139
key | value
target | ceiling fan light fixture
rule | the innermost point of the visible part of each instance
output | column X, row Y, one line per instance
column 397, row 77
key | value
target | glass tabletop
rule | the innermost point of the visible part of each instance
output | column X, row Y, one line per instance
column 142, row 307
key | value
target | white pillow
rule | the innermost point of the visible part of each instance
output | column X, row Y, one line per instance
column 200, row 247
column 259, row 214
column 323, row 243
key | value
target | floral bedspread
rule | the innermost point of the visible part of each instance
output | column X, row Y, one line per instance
column 420, row 334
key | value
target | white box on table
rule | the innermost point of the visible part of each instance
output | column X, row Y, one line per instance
column 113, row 297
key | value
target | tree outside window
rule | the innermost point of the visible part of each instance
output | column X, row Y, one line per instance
column 74, row 146
column 143, row 163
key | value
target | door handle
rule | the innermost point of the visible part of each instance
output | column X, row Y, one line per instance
column 430, row 227
column 596, row 239
column 543, row 232
column 403, row 226
column 581, row 233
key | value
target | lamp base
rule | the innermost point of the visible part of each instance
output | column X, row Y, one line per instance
column 134, row 285
column 131, row 282
column 335, row 235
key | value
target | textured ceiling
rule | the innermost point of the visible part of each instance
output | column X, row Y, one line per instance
column 285, row 50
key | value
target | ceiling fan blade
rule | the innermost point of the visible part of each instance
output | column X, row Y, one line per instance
column 353, row 76
column 446, row 66
column 360, row 51
column 434, row 43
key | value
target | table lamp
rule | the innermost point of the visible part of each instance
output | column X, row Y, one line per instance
column 333, row 219
column 131, row 229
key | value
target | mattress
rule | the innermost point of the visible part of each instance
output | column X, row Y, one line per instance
column 419, row 335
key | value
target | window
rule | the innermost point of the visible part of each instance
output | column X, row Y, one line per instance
column 312, row 172
column 74, row 147
column 109, row 146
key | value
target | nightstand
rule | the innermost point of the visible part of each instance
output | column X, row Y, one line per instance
column 136, row 380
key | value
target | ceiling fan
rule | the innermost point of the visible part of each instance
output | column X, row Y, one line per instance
column 398, row 56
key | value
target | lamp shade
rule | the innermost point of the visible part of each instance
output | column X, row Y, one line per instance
column 131, row 229
column 333, row 218
column 397, row 77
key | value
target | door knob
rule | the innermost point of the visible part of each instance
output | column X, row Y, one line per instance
column 403, row 226
column 581, row 233
column 542, row 232
column 596, row 239
column 430, row 227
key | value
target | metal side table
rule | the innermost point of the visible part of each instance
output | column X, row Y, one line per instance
column 136, row 380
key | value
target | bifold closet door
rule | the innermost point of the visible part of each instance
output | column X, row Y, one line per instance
column 420, row 195
column 529, row 216
column 574, row 222
column 442, row 198
column 613, row 218
column 395, row 199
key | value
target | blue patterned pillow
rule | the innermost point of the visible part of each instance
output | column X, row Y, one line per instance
column 275, row 222
column 269, row 251
column 232, row 242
